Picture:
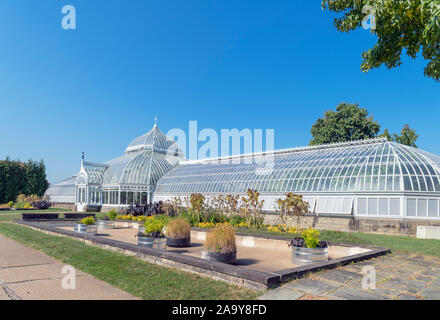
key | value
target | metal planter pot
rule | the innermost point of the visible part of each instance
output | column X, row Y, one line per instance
column 229, row 258
column 105, row 224
column 155, row 243
column 179, row 242
column 303, row 256
column 85, row 228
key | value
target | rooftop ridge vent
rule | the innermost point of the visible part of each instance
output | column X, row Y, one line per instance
column 334, row 145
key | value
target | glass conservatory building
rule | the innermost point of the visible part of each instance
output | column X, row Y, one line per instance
column 371, row 178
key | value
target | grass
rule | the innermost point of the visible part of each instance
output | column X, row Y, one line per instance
column 140, row 278
column 395, row 243
column 9, row 216
column 36, row 210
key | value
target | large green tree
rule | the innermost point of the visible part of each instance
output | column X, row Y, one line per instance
column 413, row 25
column 349, row 122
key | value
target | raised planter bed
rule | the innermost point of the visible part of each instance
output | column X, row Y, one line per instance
column 248, row 271
column 78, row 215
column 40, row 216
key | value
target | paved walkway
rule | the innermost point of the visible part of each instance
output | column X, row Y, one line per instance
column 398, row 276
column 26, row 273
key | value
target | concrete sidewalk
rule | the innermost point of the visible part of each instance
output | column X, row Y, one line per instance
column 27, row 274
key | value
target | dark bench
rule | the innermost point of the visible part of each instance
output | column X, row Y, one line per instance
column 78, row 215
column 39, row 216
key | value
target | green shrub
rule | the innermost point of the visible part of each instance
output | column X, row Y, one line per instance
column 311, row 237
column 101, row 216
column 237, row 221
column 10, row 204
column 88, row 221
column 154, row 227
column 112, row 214
column 19, row 205
column 188, row 216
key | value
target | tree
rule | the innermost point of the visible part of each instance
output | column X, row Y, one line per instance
column 411, row 25
column 349, row 122
column 407, row 136
column 386, row 134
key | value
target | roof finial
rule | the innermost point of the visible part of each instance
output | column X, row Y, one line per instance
column 155, row 120
column 82, row 159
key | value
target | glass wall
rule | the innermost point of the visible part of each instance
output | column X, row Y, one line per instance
column 375, row 166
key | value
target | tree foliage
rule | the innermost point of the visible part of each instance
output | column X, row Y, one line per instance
column 21, row 178
column 349, row 122
column 407, row 136
column 399, row 24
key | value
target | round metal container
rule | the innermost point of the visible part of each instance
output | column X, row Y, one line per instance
column 229, row 258
column 105, row 224
column 302, row 255
column 179, row 242
column 84, row 228
column 155, row 243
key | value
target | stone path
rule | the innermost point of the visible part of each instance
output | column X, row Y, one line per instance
column 26, row 273
column 398, row 276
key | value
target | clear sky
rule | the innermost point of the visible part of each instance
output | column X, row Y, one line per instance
column 227, row 64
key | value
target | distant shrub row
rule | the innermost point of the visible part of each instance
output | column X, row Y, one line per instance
column 21, row 178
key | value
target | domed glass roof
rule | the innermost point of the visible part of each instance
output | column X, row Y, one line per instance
column 140, row 168
column 146, row 159
column 156, row 141
column 360, row 166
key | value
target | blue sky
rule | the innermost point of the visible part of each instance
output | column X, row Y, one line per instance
column 227, row 64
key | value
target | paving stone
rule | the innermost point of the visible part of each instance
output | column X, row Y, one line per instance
column 391, row 294
column 432, row 294
column 435, row 283
column 395, row 282
column 312, row 286
column 281, row 293
column 339, row 275
column 353, row 294
column 405, row 296
column 431, row 273
column 417, row 284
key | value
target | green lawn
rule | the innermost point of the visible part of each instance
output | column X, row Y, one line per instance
column 395, row 243
column 9, row 216
column 141, row 279
column 36, row 210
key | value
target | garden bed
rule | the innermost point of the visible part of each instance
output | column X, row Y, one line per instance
column 262, row 261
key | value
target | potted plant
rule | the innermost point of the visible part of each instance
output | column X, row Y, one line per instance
column 153, row 235
column 103, row 221
column 220, row 245
column 86, row 225
column 178, row 233
column 308, row 248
